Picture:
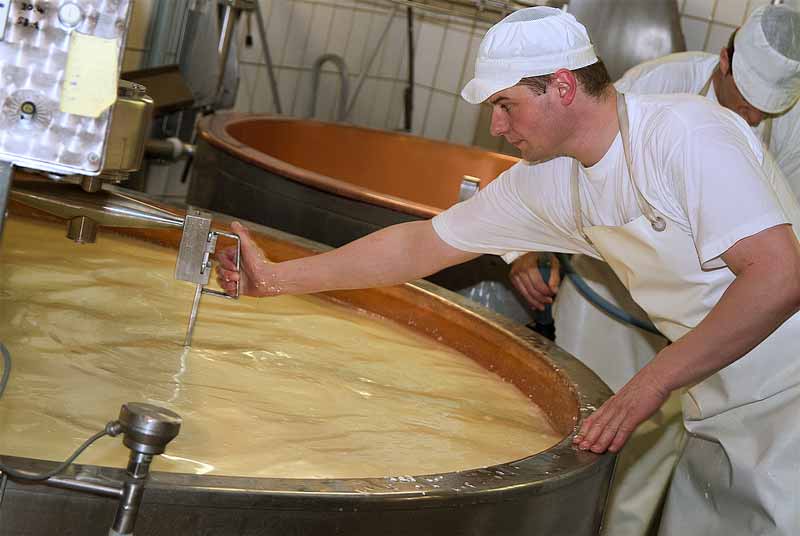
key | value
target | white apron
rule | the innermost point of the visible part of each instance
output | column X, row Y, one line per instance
column 739, row 472
column 616, row 351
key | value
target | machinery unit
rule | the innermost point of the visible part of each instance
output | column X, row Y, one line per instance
column 65, row 115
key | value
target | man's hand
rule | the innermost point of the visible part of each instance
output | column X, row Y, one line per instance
column 767, row 286
column 256, row 278
column 609, row 427
column 528, row 280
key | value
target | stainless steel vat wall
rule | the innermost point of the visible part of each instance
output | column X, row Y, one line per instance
column 561, row 491
column 626, row 33
column 272, row 171
column 176, row 505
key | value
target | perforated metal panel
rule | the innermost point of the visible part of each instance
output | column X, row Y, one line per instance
column 34, row 46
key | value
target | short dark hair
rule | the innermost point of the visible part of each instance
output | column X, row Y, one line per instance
column 593, row 78
column 730, row 48
column 730, row 44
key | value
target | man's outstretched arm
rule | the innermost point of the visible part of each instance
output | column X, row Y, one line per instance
column 390, row 256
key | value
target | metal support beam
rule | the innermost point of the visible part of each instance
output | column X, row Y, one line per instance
column 273, row 84
column 6, row 175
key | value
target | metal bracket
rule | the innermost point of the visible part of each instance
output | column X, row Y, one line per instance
column 469, row 187
column 197, row 246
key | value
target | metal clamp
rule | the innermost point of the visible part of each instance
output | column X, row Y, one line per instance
column 213, row 239
column 469, row 187
column 198, row 243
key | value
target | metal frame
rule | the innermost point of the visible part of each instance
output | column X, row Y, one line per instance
column 232, row 9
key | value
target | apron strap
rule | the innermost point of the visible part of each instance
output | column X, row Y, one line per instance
column 704, row 91
column 656, row 222
column 767, row 137
column 576, row 202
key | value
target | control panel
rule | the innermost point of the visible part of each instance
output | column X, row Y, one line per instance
column 59, row 68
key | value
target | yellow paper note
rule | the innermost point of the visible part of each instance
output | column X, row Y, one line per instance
column 90, row 78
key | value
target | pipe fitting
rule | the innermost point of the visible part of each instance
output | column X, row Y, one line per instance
column 82, row 230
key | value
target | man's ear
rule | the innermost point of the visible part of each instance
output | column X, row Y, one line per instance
column 565, row 83
column 724, row 62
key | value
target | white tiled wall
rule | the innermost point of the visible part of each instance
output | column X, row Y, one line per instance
column 708, row 24
column 299, row 31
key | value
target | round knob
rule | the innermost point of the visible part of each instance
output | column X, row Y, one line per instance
column 70, row 14
column 27, row 110
column 148, row 428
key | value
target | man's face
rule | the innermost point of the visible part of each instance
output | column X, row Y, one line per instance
column 729, row 96
column 527, row 121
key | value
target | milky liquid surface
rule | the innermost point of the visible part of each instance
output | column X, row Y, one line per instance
column 293, row 387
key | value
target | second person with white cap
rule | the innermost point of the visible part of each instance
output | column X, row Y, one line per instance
column 757, row 75
column 625, row 180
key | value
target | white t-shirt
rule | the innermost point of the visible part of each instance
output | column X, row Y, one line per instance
column 697, row 163
column 688, row 72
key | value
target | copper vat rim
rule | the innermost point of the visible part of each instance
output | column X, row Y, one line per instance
column 214, row 130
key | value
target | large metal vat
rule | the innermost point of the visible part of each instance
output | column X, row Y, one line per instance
column 558, row 492
column 333, row 183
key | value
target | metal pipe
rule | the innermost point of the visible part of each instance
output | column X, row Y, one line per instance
column 81, row 485
column 148, row 429
column 477, row 10
column 273, row 84
column 6, row 173
column 108, row 207
column 131, row 494
column 363, row 74
column 343, row 89
column 469, row 187
column 171, row 149
column 408, row 95
column 224, row 47
column 91, row 184
column 82, row 230
column 198, row 293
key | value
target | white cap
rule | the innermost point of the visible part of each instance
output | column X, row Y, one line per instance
column 766, row 58
column 529, row 42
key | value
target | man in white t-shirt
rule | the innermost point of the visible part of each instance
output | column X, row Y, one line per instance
column 645, row 183
column 761, row 83
column 756, row 76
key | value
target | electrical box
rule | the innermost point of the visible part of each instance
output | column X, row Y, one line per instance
column 59, row 67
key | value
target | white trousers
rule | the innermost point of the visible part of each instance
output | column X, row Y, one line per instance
column 615, row 351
